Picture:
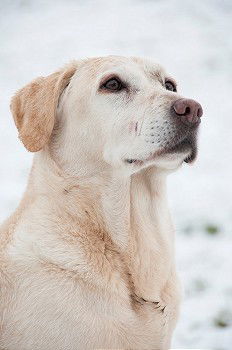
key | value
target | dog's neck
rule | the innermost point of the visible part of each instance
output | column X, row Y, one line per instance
column 135, row 215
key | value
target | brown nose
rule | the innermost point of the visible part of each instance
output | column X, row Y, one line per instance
column 188, row 110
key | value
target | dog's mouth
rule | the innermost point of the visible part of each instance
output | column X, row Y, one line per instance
column 185, row 145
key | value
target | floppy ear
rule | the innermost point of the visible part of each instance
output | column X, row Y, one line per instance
column 34, row 107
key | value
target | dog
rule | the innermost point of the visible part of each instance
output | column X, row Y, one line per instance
column 87, row 259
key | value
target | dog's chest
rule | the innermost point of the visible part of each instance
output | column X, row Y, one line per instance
column 51, row 312
column 77, row 299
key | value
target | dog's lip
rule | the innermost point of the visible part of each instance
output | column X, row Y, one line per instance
column 180, row 147
column 190, row 159
column 184, row 145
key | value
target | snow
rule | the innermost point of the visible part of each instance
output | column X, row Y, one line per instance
column 193, row 41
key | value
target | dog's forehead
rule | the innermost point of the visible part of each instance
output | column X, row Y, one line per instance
column 135, row 65
column 149, row 67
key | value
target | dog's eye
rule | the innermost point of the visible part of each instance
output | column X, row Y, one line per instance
column 113, row 84
column 170, row 86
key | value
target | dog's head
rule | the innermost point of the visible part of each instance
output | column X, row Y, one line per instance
column 113, row 111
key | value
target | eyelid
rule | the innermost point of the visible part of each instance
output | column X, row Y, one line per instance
column 171, row 81
column 105, row 79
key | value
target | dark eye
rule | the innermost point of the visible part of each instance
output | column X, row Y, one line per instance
column 113, row 84
column 170, row 86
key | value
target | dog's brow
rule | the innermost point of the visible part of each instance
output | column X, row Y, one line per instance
column 155, row 75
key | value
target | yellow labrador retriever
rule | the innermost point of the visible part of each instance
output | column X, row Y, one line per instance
column 87, row 260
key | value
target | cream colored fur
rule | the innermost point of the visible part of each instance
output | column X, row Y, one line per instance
column 87, row 261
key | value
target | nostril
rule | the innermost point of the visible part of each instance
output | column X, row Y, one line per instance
column 182, row 107
column 187, row 111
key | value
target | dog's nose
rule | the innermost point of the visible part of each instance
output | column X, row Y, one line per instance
column 189, row 111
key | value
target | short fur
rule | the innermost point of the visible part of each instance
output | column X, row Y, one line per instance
column 87, row 260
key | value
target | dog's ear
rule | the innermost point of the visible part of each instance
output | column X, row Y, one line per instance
column 34, row 107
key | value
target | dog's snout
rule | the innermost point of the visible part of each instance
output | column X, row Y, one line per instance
column 188, row 111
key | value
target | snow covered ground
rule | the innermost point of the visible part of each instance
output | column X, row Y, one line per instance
column 193, row 40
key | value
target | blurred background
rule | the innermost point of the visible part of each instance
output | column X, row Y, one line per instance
column 193, row 41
